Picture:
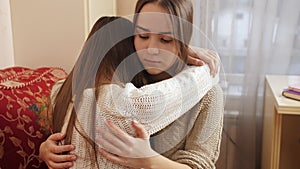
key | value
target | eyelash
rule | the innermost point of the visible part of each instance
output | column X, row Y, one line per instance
column 161, row 39
column 143, row 36
column 165, row 40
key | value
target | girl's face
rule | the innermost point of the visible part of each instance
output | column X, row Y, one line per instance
column 154, row 41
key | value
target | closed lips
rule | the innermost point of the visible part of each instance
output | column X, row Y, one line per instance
column 151, row 61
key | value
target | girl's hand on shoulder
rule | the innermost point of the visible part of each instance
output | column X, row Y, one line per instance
column 200, row 56
column 50, row 152
column 119, row 147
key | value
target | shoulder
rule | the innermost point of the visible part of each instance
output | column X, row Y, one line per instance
column 213, row 96
column 55, row 89
column 211, row 107
column 209, row 119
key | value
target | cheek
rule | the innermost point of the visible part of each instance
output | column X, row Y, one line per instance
column 139, row 48
column 171, row 57
column 170, row 61
column 171, row 48
column 139, row 44
column 136, row 43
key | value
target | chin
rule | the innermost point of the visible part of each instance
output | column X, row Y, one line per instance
column 154, row 71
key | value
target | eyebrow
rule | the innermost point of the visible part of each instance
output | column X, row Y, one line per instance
column 147, row 30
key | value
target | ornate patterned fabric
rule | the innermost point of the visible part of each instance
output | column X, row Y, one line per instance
column 24, row 120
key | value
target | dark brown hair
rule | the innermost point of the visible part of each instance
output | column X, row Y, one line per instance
column 181, row 15
column 102, row 53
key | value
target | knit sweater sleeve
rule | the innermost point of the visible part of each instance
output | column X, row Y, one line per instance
column 159, row 104
column 202, row 147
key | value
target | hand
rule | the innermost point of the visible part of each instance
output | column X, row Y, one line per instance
column 119, row 147
column 50, row 152
column 200, row 56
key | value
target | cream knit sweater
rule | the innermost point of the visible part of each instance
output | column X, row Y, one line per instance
column 155, row 106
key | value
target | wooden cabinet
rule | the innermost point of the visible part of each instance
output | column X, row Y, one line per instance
column 281, row 125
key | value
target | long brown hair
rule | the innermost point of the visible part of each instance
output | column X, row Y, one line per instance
column 103, row 51
column 181, row 15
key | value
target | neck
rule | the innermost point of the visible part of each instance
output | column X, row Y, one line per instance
column 162, row 76
column 159, row 77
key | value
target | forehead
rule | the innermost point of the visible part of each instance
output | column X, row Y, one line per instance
column 154, row 18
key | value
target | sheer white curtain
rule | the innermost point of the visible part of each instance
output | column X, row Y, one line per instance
column 253, row 38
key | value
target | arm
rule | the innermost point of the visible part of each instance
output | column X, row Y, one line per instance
column 200, row 149
column 182, row 81
column 161, row 103
column 202, row 145
column 50, row 152
column 201, row 56
column 140, row 153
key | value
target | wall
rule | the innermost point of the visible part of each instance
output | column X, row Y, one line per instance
column 47, row 33
column 51, row 33
column 98, row 8
column 125, row 7
column 6, row 44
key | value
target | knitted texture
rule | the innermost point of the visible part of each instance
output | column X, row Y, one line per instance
column 201, row 128
column 155, row 106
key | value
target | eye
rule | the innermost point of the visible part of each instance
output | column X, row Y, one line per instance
column 166, row 39
column 143, row 36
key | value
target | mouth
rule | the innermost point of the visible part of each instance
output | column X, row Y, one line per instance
column 152, row 61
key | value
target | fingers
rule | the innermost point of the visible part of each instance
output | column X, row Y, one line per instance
column 195, row 61
column 207, row 56
column 54, row 165
column 211, row 64
column 57, row 161
column 140, row 130
column 108, row 146
column 59, row 158
column 193, row 58
column 214, row 62
column 58, row 149
column 117, row 131
column 56, row 137
column 60, row 161
column 113, row 158
column 51, row 144
column 50, row 147
column 50, row 152
column 210, row 58
column 110, row 142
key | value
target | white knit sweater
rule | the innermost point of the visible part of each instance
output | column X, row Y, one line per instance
column 155, row 106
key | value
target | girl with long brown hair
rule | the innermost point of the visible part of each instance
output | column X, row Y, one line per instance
column 192, row 141
column 154, row 72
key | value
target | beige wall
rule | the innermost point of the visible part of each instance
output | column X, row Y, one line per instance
column 52, row 32
column 125, row 7
column 48, row 32
column 98, row 8
column 6, row 44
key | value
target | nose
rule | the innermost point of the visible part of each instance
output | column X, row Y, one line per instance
column 152, row 47
column 153, row 51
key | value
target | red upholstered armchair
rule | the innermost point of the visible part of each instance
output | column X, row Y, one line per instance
column 24, row 120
